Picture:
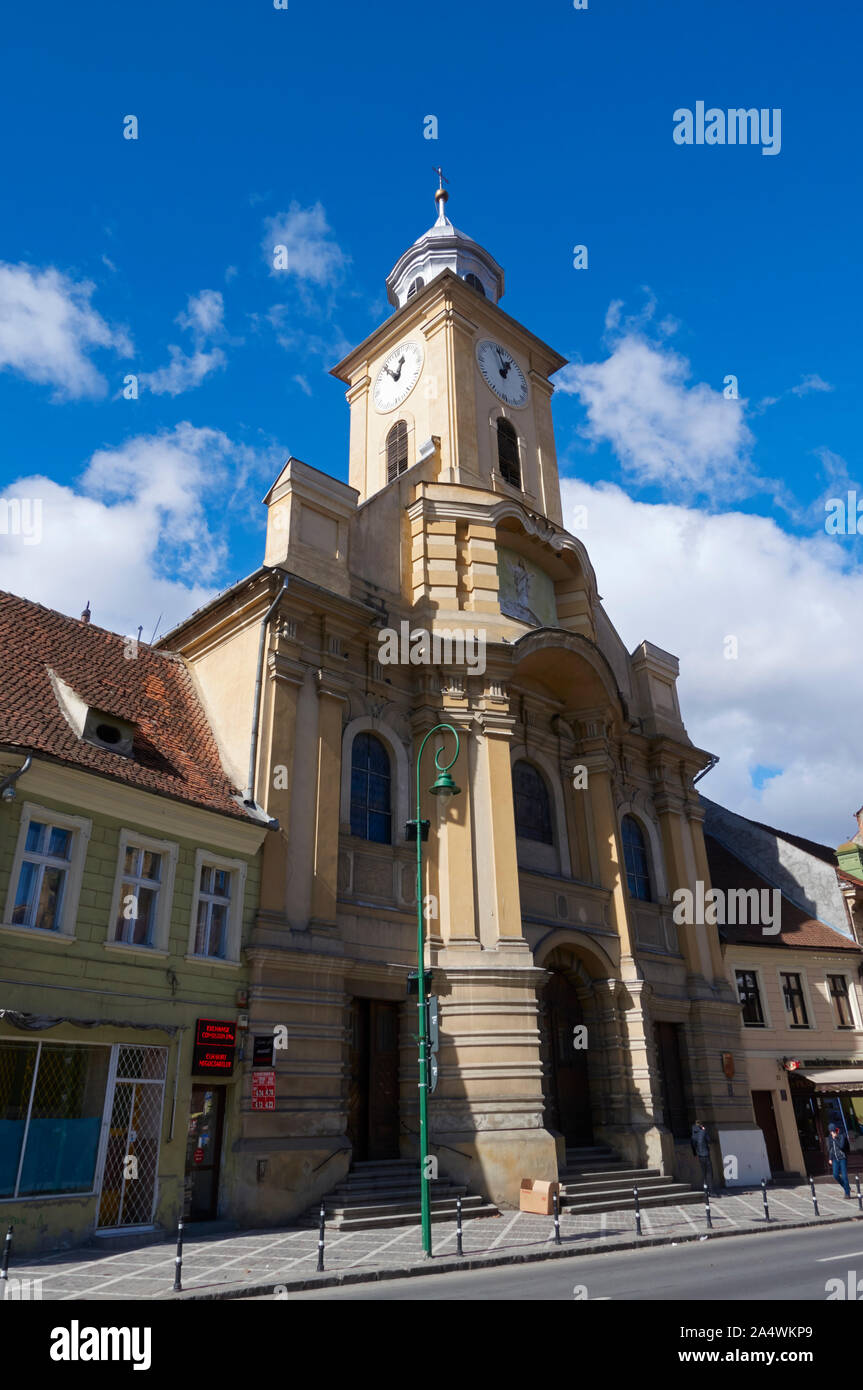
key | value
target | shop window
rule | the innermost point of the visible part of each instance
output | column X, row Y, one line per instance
column 52, row 1097
column 795, row 1004
column 635, row 859
column 841, row 1002
column 371, row 790
column 750, row 997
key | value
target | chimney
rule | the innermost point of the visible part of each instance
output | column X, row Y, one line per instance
column 859, row 835
column 85, row 616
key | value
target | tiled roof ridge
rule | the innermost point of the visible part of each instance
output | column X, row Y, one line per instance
column 80, row 626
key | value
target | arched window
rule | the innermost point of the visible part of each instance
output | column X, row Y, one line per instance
column 416, row 286
column 507, row 453
column 397, row 450
column 532, row 804
column 475, row 283
column 371, row 794
column 636, row 860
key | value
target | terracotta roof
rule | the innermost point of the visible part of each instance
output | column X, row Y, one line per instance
column 797, row 929
column 174, row 752
column 849, row 878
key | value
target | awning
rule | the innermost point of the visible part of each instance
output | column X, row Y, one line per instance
column 839, row 1079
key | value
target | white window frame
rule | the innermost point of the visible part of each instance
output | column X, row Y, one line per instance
column 762, row 996
column 238, row 867
column 812, row 1025
column 131, row 839
column 81, row 829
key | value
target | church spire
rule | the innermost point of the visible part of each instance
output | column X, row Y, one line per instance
column 443, row 247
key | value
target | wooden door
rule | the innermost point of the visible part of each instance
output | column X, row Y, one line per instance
column 671, row 1076
column 373, row 1089
column 569, row 1103
column 765, row 1118
column 383, row 1079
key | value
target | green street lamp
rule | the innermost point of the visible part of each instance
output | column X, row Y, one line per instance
column 442, row 786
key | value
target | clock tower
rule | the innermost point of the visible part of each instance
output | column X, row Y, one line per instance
column 451, row 377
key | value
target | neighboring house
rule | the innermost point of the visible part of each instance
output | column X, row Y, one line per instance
column 128, row 882
column 799, row 989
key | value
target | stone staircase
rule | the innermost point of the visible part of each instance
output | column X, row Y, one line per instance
column 596, row 1180
column 376, row 1195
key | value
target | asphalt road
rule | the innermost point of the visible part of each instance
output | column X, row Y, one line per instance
column 768, row 1267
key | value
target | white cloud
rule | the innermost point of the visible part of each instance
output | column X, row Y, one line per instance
column 134, row 535
column 183, row 372
column 48, row 329
column 813, row 382
column 688, row 439
column 203, row 317
column 313, row 255
column 686, row 580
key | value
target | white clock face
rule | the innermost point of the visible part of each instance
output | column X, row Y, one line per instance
column 502, row 373
column 398, row 376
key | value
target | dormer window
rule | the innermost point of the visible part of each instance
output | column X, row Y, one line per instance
column 416, row 286
column 106, row 731
column 475, row 283
column 94, row 726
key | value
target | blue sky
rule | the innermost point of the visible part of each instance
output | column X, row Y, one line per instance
column 149, row 256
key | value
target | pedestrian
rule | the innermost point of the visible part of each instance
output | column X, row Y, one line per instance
column 700, row 1141
column 837, row 1146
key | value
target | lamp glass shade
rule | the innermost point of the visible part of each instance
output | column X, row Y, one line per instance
column 444, row 786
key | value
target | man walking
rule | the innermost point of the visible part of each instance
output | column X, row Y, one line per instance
column 700, row 1141
column 837, row 1146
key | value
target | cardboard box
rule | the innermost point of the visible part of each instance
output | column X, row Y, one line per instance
column 536, row 1196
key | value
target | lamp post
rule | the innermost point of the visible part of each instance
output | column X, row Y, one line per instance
column 442, row 786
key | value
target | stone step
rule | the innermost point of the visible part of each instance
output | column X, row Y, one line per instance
column 408, row 1192
column 588, row 1150
column 612, row 1174
column 337, row 1210
column 644, row 1182
column 677, row 1195
column 410, row 1217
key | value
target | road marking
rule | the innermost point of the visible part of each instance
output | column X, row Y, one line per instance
column 497, row 1240
column 851, row 1255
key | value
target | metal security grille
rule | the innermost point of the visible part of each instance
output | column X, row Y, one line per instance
column 128, row 1193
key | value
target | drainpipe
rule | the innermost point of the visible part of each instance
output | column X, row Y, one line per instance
column 704, row 771
column 249, row 797
column 7, row 786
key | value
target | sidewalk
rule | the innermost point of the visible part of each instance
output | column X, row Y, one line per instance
column 253, row 1262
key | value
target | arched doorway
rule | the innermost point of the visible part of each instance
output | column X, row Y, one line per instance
column 567, row 1088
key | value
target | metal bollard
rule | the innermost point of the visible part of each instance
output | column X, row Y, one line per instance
column 814, row 1198
column 556, row 1217
column 458, row 1249
column 637, row 1212
column 7, row 1251
column 764, row 1199
column 321, row 1237
column 707, row 1207
column 859, row 1194
column 178, row 1260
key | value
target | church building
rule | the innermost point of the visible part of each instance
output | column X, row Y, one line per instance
column 573, row 1010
